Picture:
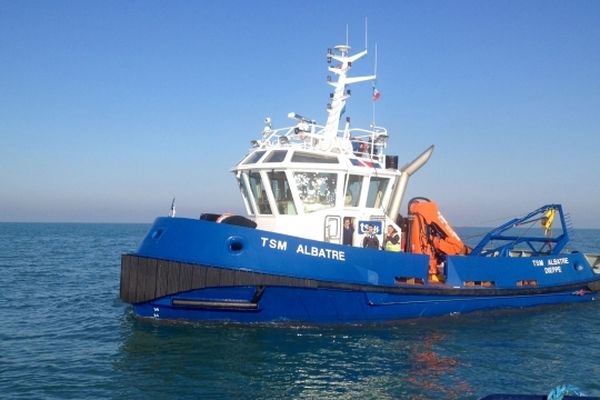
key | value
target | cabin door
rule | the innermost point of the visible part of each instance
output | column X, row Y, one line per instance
column 333, row 229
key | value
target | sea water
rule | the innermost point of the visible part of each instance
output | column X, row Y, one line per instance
column 64, row 334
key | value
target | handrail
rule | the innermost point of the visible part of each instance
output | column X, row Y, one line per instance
column 363, row 143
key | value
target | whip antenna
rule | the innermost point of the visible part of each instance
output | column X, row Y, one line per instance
column 366, row 31
column 347, row 43
column 376, row 93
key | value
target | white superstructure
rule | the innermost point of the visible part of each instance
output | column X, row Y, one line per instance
column 307, row 179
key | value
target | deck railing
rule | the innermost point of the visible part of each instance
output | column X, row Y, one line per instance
column 363, row 143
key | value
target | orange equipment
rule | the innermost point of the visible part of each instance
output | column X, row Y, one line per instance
column 429, row 233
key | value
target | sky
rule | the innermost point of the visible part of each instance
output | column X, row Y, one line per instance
column 109, row 109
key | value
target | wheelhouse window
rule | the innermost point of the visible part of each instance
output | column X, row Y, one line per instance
column 282, row 193
column 317, row 190
column 276, row 156
column 313, row 158
column 353, row 187
column 377, row 187
column 259, row 193
column 245, row 196
column 254, row 157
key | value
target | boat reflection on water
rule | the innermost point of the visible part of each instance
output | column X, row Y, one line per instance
column 434, row 375
column 273, row 362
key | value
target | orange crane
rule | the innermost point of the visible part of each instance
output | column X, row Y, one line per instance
column 429, row 233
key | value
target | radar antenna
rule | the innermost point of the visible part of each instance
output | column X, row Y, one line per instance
column 341, row 54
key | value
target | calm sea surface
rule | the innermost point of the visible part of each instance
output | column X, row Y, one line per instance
column 65, row 334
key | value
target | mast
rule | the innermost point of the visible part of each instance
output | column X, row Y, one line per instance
column 340, row 54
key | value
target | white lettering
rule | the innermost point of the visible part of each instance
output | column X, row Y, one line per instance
column 553, row 270
column 538, row 263
column 275, row 244
column 319, row 252
column 304, row 249
column 558, row 261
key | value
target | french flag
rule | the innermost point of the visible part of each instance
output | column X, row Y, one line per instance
column 376, row 94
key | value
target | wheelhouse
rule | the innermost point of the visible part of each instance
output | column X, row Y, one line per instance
column 308, row 193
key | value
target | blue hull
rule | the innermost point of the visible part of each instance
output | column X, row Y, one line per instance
column 326, row 306
column 203, row 271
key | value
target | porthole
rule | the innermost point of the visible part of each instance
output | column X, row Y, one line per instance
column 235, row 244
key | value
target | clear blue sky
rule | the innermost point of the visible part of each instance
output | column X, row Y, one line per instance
column 108, row 109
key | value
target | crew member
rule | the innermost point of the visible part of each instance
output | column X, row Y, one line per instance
column 348, row 233
column 370, row 240
column 391, row 242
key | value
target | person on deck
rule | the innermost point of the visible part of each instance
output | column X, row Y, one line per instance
column 391, row 242
column 348, row 231
column 370, row 240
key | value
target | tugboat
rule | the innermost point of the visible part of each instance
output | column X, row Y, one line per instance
column 324, row 241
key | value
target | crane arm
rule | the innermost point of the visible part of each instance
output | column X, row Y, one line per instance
column 441, row 235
